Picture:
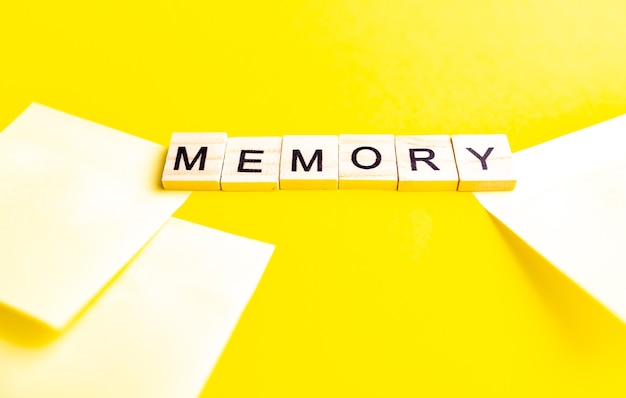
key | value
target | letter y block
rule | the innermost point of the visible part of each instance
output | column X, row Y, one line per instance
column 484, row 162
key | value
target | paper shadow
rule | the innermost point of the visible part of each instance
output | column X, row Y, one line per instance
column 21, row 329
column 581, row 316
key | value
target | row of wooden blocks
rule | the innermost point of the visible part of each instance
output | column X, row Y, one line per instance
column 213, row 161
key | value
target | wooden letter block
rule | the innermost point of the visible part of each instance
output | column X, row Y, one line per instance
column 309, row 162
column 194, row 161
column 484, row 162
column 426, row 163
column 251, row 164
column 367, row 161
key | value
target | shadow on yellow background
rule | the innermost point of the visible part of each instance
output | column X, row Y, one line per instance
column 368, row 293
column 581, row 321
column 20, row 329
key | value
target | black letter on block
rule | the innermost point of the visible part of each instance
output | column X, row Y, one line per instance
column 366, row 167
column 242, row 160
column 427, row 160
column 182, row 153
column 297, row 155
column 483, row 159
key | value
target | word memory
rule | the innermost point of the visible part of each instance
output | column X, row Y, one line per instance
column 214, row 161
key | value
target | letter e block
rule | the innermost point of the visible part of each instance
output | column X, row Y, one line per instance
column 251, row 164
column 426, row 163
column 309, row 162
column 367, row 161
column 484, row 162
column 194, row 161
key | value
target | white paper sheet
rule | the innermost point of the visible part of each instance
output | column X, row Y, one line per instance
column 157, row 331
column 77, row 201
column 570, row 205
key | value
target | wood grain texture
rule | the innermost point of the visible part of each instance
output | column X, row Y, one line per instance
column 251, row 164
column 367, row 161
column 183, row 171
column 484, row 162
column 426, row 163
column 309, row 162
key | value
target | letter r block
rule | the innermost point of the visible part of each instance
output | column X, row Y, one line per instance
column 251, row 164
column 309, row 162
column 367, row 161
column 484, row 162
column 426, row 163
column 194, row 162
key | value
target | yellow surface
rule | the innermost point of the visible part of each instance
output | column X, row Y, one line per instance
column 369, row 293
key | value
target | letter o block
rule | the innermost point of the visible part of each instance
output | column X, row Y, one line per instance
column 367, row 161
column 426, row 163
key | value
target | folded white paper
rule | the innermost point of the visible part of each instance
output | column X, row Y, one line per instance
column 157, row 331
column 77, row 201
column 570, row 205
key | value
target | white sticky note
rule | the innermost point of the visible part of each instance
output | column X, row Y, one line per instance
column 77, row 201
column 157, row 331
column 570, row 205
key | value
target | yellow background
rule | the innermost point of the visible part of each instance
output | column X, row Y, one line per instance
column 368, row 293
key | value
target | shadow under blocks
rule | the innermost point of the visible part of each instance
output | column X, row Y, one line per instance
column 213, row 161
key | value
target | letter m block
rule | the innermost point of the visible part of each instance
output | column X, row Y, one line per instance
column 194, row 161
column 309, row 162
